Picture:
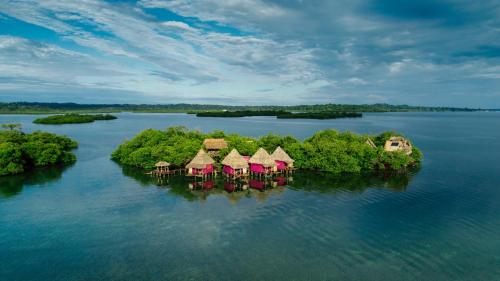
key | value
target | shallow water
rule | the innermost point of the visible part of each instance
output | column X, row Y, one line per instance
column 97, row 221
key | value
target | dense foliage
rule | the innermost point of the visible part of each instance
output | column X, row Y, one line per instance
column 280, row 114
column 20, row 152
column 73, row 118
column 319, row 115
column 240, row 113
column 39, row 108
column 327, row 150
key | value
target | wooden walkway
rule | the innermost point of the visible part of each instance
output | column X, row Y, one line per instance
column 167, row 172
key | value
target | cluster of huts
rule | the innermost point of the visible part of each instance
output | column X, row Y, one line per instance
column 234, row 165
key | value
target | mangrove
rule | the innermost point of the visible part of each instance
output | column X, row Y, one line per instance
column 327, row 150
column 319, row 115
column 280, row 114
column 241, row 113
column 21, row 152
column 73, row 118
column 61, row 108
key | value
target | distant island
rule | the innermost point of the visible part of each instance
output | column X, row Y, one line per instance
column 327, row 150
column 21, row 152
column 60, row 108
column 73, row 118
column 280, row 114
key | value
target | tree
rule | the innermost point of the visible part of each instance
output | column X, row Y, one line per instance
column 12, row 126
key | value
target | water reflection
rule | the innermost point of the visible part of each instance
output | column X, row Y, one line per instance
column 13, row 185
column 262, row 189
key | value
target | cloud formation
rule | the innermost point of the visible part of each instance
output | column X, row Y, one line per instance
column 425, row 52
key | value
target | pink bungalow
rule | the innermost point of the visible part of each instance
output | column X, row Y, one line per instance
column 261, row 162
column 234, row 164
column 201, row 165
column 283, row 161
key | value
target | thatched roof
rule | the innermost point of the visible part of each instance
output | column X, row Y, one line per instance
column 200, row 161
column 280, row 155
column 235, row 160
column 370, row 143
column 215, row 144
column 263, row 158
column 398, row 144
column 162, row 164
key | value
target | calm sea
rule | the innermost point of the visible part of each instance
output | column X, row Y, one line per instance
column 97, row 221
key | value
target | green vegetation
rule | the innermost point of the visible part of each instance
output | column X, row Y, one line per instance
column 319, row 115
column 53, row 108
column 280, row 114
column 73, row 118
column 240, row 113
column 327, row 150
column 19, row 152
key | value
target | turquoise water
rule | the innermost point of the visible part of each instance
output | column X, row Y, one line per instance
column 97, row 221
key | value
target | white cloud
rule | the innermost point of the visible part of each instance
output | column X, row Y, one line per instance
column 178, row 24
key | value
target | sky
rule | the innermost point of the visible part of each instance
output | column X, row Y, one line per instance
column 282, row 52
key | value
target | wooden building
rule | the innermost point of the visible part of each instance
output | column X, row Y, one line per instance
column 214, row 146
column 234, row 164
column 162, row 167
column 201, row 165
column 398, row 144
column 262, row 163
column 283, row 161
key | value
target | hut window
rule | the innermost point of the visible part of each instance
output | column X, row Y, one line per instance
column 395, row 144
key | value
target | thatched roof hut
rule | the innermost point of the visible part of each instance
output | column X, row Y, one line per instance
column 214, row 144
column 398, row 144
column 235, row 160
column 162, row 164
column 200, row 161
column 261, row 157
column 280, row 155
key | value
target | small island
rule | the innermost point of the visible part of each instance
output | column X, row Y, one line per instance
column 327, row 150
column 240, row 113
column 73, row 118
column 281, row 114
column 21, row 152
column 319, row 115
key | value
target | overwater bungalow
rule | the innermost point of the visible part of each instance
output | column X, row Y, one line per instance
column 234, row 164
column 214, row 146
column 162, row 167
column 201, row 165
column 398, row 144
column 262, row 163
column 283, row 161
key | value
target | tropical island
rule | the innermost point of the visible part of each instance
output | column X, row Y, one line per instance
column 21, row 152
column 60, row 108
column 327, row 150
column 280, row 114
column 73, row 118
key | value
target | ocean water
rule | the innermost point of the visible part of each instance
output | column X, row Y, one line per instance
column 98, row 221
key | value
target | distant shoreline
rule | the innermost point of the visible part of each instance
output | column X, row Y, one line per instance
column 59, row 108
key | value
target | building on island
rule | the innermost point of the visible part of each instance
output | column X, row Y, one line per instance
column 201, row 165
column 262, row 163
column 162, row 167
column 234, row 164
column 398, row 144
column 214, row 146
column 283, row 161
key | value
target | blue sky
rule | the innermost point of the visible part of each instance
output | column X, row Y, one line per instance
column 424, row 52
